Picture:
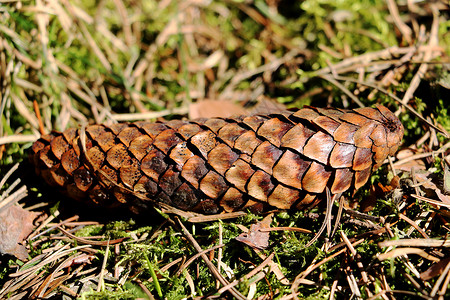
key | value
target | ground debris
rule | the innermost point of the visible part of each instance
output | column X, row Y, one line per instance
column 16, row 224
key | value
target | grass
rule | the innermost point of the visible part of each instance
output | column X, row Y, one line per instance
column 125, row 60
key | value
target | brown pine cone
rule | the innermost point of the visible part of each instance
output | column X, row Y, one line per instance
column 281, row 160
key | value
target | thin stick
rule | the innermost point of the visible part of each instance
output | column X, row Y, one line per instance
column 285, row 229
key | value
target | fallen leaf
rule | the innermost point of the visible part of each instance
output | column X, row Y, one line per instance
column 256, row 238
column 426, row 179
column 215, row 108
column 16, row 224
column 266, row 106
column 407, row 166
column 435, row 270
column 442, row 197
column 446, row 184
column 378, row 191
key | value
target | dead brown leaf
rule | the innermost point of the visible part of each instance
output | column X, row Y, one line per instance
column 256, row 238
column 266, row 106
column 378, row 191
column 427, row 179
column 215, row 108
column 413, row 163
column 435, row 270
column 16, row 224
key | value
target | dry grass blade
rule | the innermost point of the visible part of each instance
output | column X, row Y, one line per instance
column 327, row 221
column 210, row 265
column 101, row 283
column 7, row 199
column 441, row 278
column 416, row 226
column 431, row 201
column 402, row 251
column 51, row 257
column 28, row 273
column 416, row 243
column 286, row 229
column 89, row 242
column 52, row 280
column 150, row 115
column 354, row 253
column 254, row 272
column 193, row 258
column 219, row 253
column 354, row 62
column 37, row 232
column 311, row 268
column 427, row 56
column 13, row 198
column 8, row 174
column 404, row 29
column 343, row 88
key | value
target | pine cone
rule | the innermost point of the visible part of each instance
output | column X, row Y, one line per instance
column 280, row 160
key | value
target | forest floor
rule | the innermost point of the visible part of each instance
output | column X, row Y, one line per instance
column 73, row 62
